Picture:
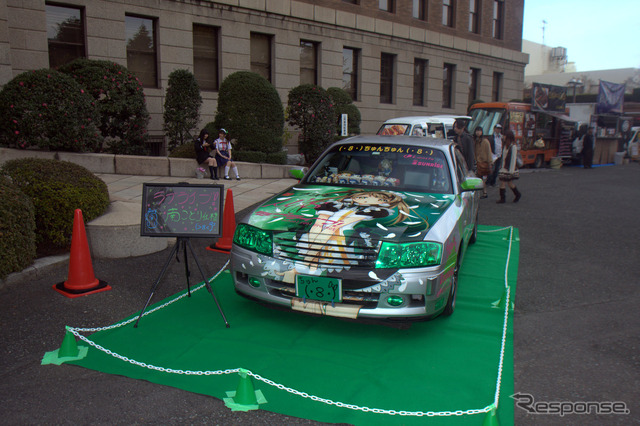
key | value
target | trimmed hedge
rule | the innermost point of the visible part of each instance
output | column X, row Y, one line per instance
column 49, row 110
column 186, row 150
column 17, row 229
column 181, row 108
column 250, row 109
column 311, row 109
column 57, row 189
column 119, row 97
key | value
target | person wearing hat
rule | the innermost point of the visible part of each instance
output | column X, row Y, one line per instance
column 223, row 154
column 496, row 147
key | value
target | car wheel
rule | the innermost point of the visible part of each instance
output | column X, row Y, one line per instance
column 474, row 234
column 451, row 302
column 539, row 161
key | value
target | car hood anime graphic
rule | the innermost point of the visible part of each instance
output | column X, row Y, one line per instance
column 377, row 213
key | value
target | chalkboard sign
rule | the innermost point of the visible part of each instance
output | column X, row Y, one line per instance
column 181, row 210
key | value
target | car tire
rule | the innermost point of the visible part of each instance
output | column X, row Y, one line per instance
column 474, row 234
column 451, row 301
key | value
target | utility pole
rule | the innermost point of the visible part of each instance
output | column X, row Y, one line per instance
column 544, row 25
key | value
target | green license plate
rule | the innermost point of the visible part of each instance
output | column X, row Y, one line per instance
column 319, row 288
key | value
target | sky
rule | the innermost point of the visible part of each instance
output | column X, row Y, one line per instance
column 598, row 34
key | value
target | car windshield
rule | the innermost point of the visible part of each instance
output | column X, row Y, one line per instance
column 485, row 118
column 402, row 167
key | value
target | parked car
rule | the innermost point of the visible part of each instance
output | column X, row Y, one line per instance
column 376, row 228
column 413, row 126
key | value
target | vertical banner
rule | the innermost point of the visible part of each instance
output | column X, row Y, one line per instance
column 345, row 125
column 610, row 98
column 546, row 97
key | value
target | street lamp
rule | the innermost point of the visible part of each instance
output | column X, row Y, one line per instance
column 575, row 82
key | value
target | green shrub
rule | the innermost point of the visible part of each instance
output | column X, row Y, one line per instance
column 311, row 109
column 57, row 189
column 250, row 109
column 17, row 229
column 181, row 108
column 49, row 110
column 186, row 150
column 119, row 96
column 277, row 157
column 344, row 105
column 249, row 156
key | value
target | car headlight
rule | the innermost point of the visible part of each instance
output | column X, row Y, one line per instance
column 409, row 255
column 254, row 239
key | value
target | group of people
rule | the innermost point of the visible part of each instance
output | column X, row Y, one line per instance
column 216, row 155
column 492, row 159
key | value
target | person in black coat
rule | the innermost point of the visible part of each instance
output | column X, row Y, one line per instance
column 587, row 149
column 203, row 158
column 465, row 142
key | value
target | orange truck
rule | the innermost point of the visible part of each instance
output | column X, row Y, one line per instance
column 540, row 135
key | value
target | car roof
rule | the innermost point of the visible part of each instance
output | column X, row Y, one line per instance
column 412, row 120
column 438, row 143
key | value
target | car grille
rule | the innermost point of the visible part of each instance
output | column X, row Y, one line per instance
column 336, row 251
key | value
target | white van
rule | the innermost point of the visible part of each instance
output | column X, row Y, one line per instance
column 413, row 126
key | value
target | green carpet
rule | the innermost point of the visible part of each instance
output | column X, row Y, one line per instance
column 434, row 368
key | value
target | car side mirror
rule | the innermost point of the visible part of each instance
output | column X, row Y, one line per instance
column 472, row 184
column 298, row 173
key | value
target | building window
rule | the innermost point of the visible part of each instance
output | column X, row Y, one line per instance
column 474, row 84
column 261, row 54
column 205, row 56
column 498, row 18
column 141, row 49
column 351, row 1
column 474, row 16
column 496, row 91
column 419, row 81
column 387, row 5
column 65, row 34
column 447, row 85
column 350, row 65
column 420, row 9
column 308, row 62
column 448, row 12
column 386, row 78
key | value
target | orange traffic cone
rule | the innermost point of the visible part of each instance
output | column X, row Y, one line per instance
column 81, row 280
column 223, row 245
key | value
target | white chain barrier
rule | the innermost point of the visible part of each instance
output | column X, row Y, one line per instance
column 76, row 332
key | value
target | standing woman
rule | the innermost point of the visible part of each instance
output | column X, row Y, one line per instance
column 484, row 157
column 203, row 158
column 509, row 171
column 223, row 154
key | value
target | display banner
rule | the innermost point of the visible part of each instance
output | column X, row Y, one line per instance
column 610, row 98
column 546, row 97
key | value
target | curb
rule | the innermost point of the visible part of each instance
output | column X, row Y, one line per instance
column 38, row 269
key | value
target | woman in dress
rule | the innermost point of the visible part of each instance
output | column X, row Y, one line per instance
column 203, row 158
column 509, row 172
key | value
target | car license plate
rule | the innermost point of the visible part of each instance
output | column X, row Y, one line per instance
column 319, row 288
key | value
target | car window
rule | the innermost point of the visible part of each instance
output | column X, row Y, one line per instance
column 462, row 171
column 407, row 168
column 394, row 129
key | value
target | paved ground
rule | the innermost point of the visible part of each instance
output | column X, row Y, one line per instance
column 577, row 328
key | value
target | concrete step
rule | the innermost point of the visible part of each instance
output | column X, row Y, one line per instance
column 116, row 234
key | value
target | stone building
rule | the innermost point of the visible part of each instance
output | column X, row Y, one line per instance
column 396, row 57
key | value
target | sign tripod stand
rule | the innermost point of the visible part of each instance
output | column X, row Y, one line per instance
column 184, row 243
